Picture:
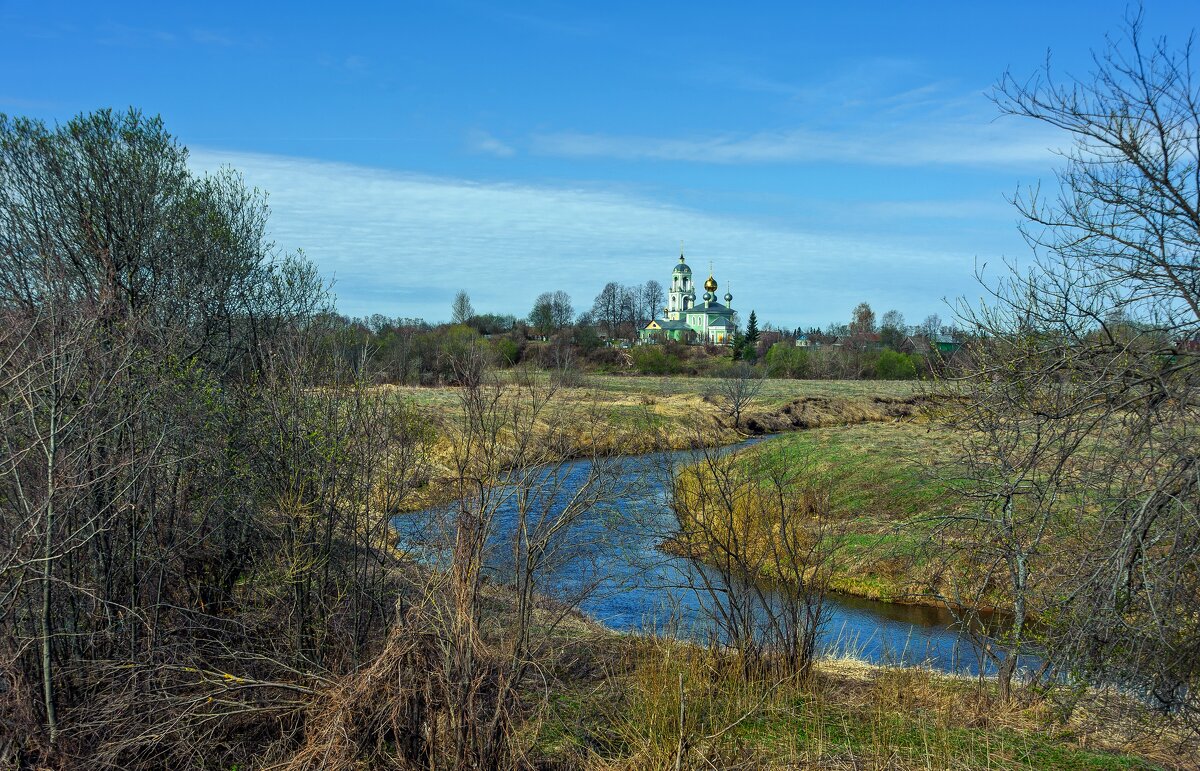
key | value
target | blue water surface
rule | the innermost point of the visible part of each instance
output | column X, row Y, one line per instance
column 609, row 562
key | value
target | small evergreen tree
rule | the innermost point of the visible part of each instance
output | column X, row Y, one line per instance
column 737, row 344
column 750, row 341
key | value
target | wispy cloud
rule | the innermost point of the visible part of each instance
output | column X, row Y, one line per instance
column 132, row 36
column 208, row 37
column 930, row 210
column 483, row 142
column 956, row 144
column 402, row 244
column 127, row 36
column 875, row 111
column 353, row 64
column 555, row 26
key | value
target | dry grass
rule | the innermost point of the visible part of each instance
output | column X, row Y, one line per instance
column 848, row 715
column 633, row 415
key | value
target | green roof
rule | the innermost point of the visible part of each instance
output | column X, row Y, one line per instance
column 712, row 308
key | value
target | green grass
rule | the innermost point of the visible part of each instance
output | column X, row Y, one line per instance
column 881, row 485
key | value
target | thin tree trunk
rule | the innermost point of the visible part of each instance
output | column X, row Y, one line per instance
column 47, row 553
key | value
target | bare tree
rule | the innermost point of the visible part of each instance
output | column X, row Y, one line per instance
column 562, row 311
column 1026, row 457
column 607, row 308
column 768, row 546
column 551, row 312
column 891, row 329
column 194, row 488
column 461, row 309
column 737, row 389
column 517, row 502
column 862, row 322
column 541, row 317
column 1118, row 241
column 653, row 300
column 631, row 311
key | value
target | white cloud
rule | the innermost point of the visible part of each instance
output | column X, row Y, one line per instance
column 402, row 244
column 956, row 144
column 483, row 142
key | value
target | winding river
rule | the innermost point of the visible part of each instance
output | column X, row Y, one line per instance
column 610, row 563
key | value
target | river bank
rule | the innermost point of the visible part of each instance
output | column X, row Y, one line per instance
column 616, row 700
column 611, row 562
column 641, row 416
column 614, row 415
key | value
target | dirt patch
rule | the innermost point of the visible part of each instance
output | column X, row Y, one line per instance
column 822, row 411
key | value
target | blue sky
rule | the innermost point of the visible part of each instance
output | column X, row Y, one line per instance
column 818, row 155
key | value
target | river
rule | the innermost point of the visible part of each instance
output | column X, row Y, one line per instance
column 609, row 562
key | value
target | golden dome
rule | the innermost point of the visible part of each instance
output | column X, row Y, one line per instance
column 711, row 283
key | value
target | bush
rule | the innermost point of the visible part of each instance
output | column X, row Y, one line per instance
column 653, row 360
column 585, row 337
column 786, row 360
column 893, row 365
column 508, row 351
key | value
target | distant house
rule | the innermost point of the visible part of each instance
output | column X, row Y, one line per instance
column 945, row 344
column 803, row 342
column 917, row 344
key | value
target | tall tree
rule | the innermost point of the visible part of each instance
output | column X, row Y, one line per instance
column 891, row 329
column 1119, row 241
column 551, row 312
column 862, row 320
column 541, row 317
column 562, row 312
column 461, row 309
column 631, row 309
column 607, row 308
column 653, row 299
column 163, row 448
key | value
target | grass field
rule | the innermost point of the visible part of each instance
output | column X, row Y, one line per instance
column 629, row 388
column 775, row 392
column 880, row 479
column 614, row 701
column 632, row 415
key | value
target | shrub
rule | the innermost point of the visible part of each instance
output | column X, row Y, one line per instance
column 653, row 360
column 786, row 360
column 893, row 365
column 508, row 352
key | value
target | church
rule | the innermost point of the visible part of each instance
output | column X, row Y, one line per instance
column 686, row 321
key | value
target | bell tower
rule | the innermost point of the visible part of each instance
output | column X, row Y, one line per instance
column 682, row 294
